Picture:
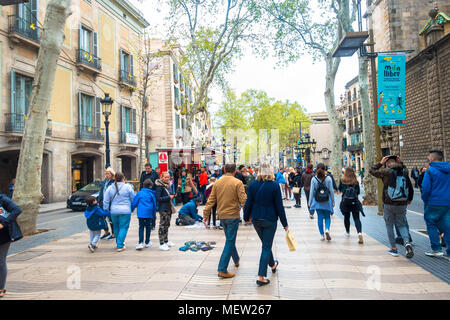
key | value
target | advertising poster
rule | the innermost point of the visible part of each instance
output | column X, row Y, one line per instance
column 391, row 89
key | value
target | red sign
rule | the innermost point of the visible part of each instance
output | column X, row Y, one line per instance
column 163, row 157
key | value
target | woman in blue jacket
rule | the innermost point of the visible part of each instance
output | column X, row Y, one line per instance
column 324, row 208
column 117, row 201
column 145, row 202
column 9, row 231
column 264, row 207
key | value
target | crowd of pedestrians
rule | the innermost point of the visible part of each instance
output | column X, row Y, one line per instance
column 258, row 194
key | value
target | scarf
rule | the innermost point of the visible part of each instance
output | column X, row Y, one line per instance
column 166, row 186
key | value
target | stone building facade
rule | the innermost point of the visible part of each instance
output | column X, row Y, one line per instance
column 96, row 58
column 350, row 113
column 321, row 131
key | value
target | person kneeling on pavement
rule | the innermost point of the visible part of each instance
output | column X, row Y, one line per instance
column 188, row 213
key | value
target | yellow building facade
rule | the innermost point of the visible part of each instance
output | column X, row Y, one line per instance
column 98, row 57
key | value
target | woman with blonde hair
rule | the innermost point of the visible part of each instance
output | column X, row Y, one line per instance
column 264, row 206
column 349, row 186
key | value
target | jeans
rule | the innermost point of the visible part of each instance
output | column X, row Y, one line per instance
column 121, row 223
column 266, row 231
column 147, row 224
column 186, row 220
column 395, row 215
column 94, row 237
column 397, row 232
column 202, row 192
column 437, row 219
column 230, row 227
column 355, row 215
column 323, row 215
column 3, row 269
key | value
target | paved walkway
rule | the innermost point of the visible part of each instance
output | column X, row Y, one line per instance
column 340, row 269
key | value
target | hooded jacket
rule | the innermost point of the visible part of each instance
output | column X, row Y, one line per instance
column 93, row 215
column 436, row 184
column 145, row 202
column 11, row 230
column 385, row 174
column 190, row 209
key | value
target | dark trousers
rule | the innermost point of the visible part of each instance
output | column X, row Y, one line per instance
column 202, row 192
column 147, row 224
column 3, row 269
column 355, row 214
column 266, row 231
column 164, row 224
column 186, row 220
column 307, row 196
column 298, row 198
column 214, row 215
column 111, row 227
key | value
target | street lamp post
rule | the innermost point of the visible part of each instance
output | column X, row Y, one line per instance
column 107, row 103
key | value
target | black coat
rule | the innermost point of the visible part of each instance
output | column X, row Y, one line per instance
column 144, row 175
column 11, row 230
column 163, row 199
column 102, row 188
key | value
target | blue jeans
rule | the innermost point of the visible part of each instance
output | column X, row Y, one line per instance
column 437, row 219
column 323, row 215
column 266, row 231
column 121, row 222
column 230, row 227
column 146, row 223
column 395, row 215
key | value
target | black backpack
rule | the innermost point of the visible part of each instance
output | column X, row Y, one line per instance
column 322, row 193
column 350, row 197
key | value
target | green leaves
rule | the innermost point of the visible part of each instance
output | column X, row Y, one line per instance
column 255, row 110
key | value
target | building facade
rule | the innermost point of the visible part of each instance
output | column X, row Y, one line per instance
column 350, row 113
column 321, row 131
column 97, row 58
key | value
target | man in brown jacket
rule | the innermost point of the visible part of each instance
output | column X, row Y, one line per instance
column 229, row 195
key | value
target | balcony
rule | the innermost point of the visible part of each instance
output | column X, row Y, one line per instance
column 15, row 123
column 127, row 78
column 129, row 138
column 354, row 129
column 89, row 60
column 89, row 133
column 21, row 30
column 355, row 147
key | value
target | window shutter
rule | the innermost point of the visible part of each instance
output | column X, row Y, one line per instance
column 131, row 65
column 80, row 38
column 80, row 113
column 121, row 60
column 133, row 121
column 13, row 91
column 122, row 116
column 95, row 49
column 98, row 113
column 34, row 16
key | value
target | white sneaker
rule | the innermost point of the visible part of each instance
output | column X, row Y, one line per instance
column 170, row 244
column 322, row 237
column 140, row 246
column 148, row 245
column 347, row 234
column 164, row 247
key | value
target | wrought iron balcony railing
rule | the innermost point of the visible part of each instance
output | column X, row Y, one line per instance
column 89, row 133
column 127, row 77
column 89, row 59
column 24, row 27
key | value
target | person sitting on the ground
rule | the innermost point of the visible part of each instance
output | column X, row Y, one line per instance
column 188, row 213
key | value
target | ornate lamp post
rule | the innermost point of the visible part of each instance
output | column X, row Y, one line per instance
column 107, row 103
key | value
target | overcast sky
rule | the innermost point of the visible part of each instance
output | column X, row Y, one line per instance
column 303, row 81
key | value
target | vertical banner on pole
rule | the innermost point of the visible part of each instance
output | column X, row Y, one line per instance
column 391, row 89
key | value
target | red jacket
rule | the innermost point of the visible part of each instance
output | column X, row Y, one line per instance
column 203, row 179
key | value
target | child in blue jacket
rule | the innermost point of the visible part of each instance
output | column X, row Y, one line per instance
column 95, row 220
column 145, row 201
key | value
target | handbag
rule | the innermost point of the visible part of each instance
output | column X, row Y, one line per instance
column 291, row 241
column 296, row 190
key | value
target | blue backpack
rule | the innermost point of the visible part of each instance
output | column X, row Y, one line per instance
column 399, row 192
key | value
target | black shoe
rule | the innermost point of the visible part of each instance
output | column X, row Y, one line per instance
column 262, row 283
column 399, row 241
column 277, row 263
column 409, row 251
column 106, row 235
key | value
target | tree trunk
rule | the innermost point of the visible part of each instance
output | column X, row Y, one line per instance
column 27, row 193
column 332, row 65
column 370, row 187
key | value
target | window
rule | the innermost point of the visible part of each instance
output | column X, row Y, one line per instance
column 25, row 20
column 175, row 72
column 128, row 120
column 20, row 93
column 126, row 64
column 177, row 121
column 89, row 111
column 177, row 95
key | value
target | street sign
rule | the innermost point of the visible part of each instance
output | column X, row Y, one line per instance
column 163, row 158
column 391, row 89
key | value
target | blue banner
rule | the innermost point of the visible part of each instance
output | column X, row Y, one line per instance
column 391, row 89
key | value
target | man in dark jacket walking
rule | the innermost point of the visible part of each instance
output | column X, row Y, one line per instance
column 436, row 197
column 306, row 182
column 149, row 173
column 392, row 172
